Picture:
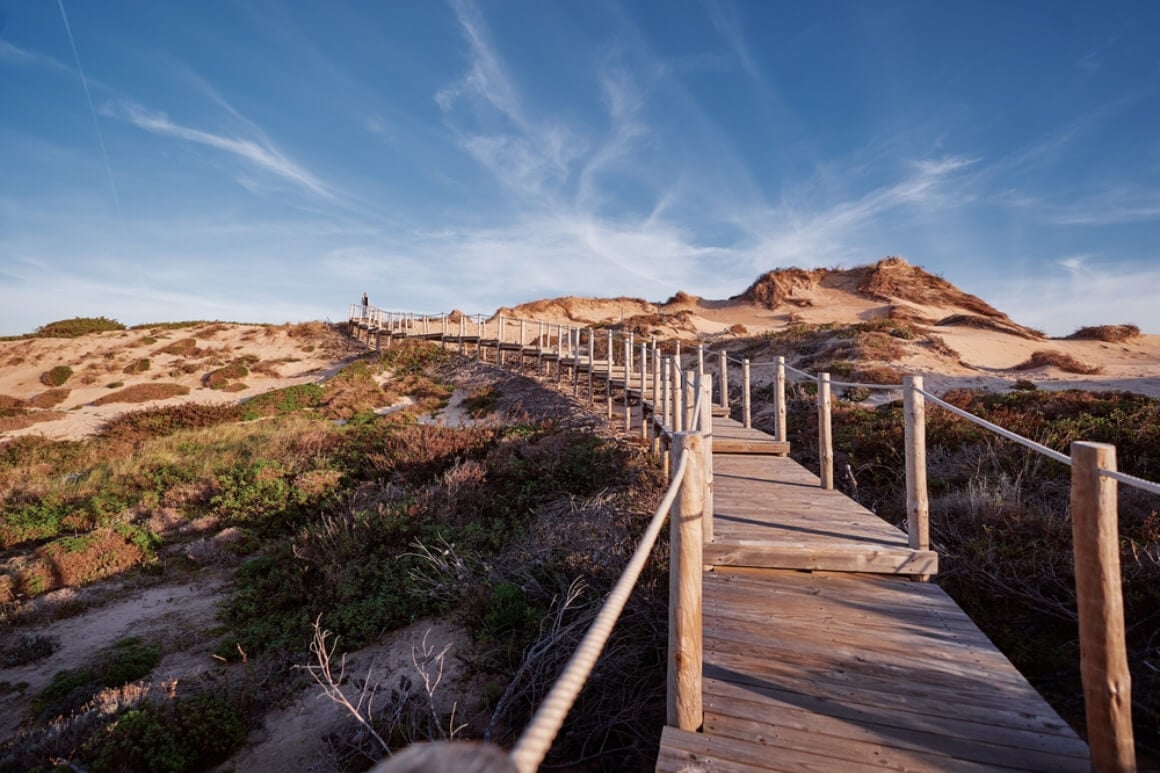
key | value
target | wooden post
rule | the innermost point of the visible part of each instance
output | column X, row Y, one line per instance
column 678, row 397
column 540, row 351
column 724, row 376
column 779, row 398
column 656, row 375
column 746, row 400
column 1107, row 684
column 705, row 427
column 683, row 705
column 643, row 378
column 478, row 338
column 462, row 332
column 559, row 353
column 691, row 387
column 591, row 365
column 700, row 359
column 574, row 344
column 608, row 377
column 825, row 436
column 917, row 507
column 627, row 381
column 499, row 331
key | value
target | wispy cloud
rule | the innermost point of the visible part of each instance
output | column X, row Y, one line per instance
column 1081, row 291
column 829, row 231
column 92, row 110
column 260, row 152
column 21, row 56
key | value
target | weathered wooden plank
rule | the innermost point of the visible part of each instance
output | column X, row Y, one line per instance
column 862, row 733
column 728, row 445
column 834, row 558
column 683, row 752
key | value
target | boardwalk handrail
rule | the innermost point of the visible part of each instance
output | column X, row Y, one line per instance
column 1107, row 686
column 538, row 736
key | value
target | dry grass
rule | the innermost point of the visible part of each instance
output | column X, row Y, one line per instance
column 182, row 347
column 1050, row 357
column 1112, row 334
column 999, row 325
column 220, row 378
column 778, row 288
column 137, row 366
column 10, row 405
column 49, row 398
column 25, row 420
column 140, row 393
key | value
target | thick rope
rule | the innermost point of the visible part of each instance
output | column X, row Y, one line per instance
column 1132, row 480
column 537, row 738
column 1050, row 452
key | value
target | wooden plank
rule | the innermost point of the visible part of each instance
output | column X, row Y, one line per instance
column 833, row 558
column 683, row 752
column 727, row 445
column 857, row 734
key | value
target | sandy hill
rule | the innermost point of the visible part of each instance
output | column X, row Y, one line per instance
column 876, row 322
column 67, row 387
column 870, row 323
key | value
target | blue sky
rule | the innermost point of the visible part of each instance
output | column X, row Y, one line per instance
column 269, row 161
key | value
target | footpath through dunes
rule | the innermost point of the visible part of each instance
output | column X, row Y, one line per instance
column 803, row 635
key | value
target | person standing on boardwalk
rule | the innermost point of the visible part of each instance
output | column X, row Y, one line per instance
column 365, row 305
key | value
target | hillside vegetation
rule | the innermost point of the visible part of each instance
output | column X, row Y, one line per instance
column 323, row 509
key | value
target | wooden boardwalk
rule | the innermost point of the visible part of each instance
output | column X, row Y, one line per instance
column 821, row 652
column 853, row 666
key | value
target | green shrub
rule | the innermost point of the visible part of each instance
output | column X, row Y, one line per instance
column 78, row 326
column 281, row 401
column 57, row 376
column 218, row 379
column 137, row 366
column 125, row 661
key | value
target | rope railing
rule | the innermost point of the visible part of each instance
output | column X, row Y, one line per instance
column 1012, row 436
column 1093, row 510
column 538, row 736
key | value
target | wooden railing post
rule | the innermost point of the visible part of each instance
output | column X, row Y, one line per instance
column 917, row 507
column 591, row 365
column 644, row 369
column 746, row 399
column 723, row 359
column 684, row 707
column 691, row 387
column 700, row 359
column 825, row 436
column 1107, row 684
column 462, row 332
column 678, row 397
column 627, row 382
column 705, row 427
column 779, row 398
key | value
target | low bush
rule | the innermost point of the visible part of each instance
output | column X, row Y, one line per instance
column 140, row 393
column 182, row 347
column 1061, row 360
column 57, row 376
column 1110, row 333
column 49, row 398
column 168, row 419
column 125, row 661
column 78, row 326
column 137, row 366
column 290, row 399
column 218, row 379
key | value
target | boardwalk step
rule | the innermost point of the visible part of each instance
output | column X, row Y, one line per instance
column 739, row 446
column 831, row 558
